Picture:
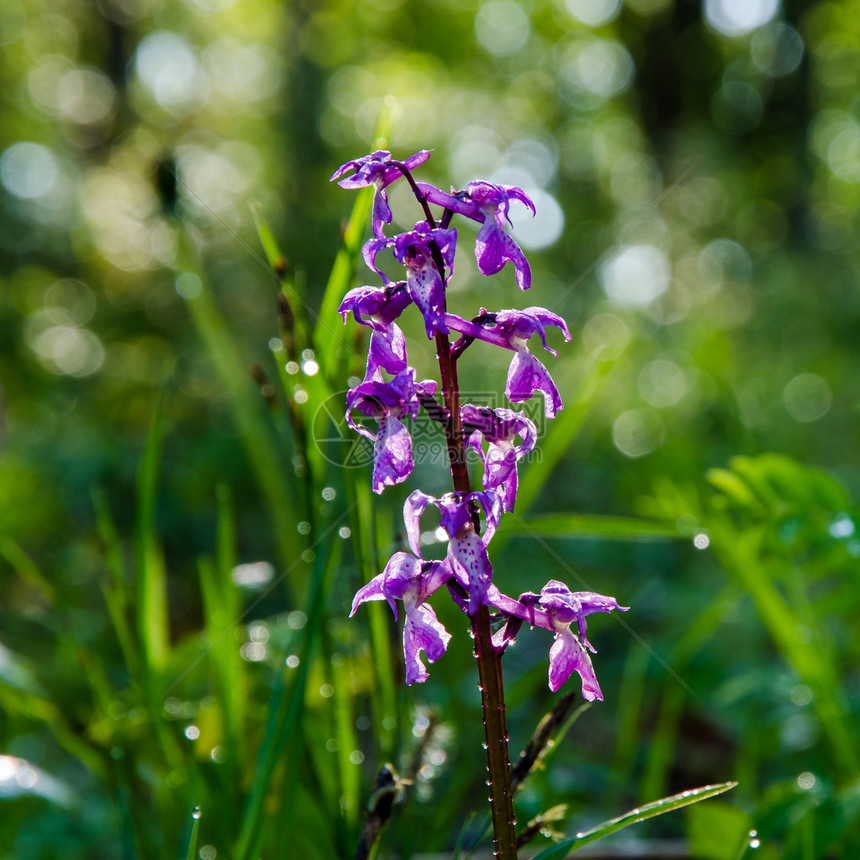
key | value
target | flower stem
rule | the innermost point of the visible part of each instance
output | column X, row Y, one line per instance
column 489, row 659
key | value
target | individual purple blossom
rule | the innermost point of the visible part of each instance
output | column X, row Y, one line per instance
column 378, row 170
column 424, row 281
column 412, row 580
column 499, row 428
column 388, row 403
column 467, row 550
column 512, row 329
column 488, row 204
column 378, row 307
column 555, row 609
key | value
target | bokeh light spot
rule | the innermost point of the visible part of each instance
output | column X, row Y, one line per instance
column 28, row 170
column 593, row 13
column 635, row 276
column 168, row 69
column 662, row 383
column 739, row 17
column 776, row 49
column 636, row 432
column 807, row 397
column 502, row 27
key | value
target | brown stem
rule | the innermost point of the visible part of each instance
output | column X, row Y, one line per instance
column 489, row 659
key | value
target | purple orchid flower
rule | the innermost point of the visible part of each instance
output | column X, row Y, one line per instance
column 555, row 609
column 423, row 279
column 512, row 329
column 489, row 204
column 378, row 307
column 388, row 403
column 499, row 428
column 378, row 170
column 467, row 551
column 411, row 580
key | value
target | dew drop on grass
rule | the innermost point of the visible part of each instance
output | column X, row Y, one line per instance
column 196, row 813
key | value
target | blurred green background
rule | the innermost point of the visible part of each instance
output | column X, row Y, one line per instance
column 696, row 171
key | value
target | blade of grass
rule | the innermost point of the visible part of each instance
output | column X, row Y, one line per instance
column 255, row 431
column 115, row 586
column 595, row 526
column 650, row 810
column 150, row 575
column 191, row 854
column 25, row 567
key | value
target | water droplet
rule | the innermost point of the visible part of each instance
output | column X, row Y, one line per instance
column 196, row 813
column 484, row 745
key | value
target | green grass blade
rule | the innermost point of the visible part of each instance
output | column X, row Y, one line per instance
column 25, row 567
column 658, row 807
column 595, row 526
column 150, row 575
column 258, row 440
column 191, row 854
column 115, row 587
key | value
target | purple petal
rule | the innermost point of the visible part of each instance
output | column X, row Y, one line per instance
column 470, row 553
column 386, row 350
column 448, row 201
column 412, row 510
column 422, row 632
column 381, row 213
column 417, row 159
column 494, row 247
column 527, row 375
column 549, row 318
column 372, row 591
column 567, row 656
column 392, row 454
column 402, row 576
column 425, row 288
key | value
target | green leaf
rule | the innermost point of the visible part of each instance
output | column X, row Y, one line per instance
column 658, row 807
